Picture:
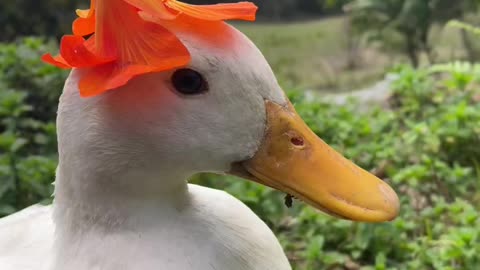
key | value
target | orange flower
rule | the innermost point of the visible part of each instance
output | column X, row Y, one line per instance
column 85, row 24
column 124, row 44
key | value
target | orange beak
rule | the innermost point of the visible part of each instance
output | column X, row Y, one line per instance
column 294, row 160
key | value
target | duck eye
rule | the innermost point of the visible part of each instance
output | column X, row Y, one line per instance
column 189, row 82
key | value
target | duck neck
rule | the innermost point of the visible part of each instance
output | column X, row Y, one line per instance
column 91, row 199
column 96, row 214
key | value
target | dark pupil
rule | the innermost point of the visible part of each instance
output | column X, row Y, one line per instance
column 187, row 81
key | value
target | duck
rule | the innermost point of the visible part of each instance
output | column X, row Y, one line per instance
column 160, row 91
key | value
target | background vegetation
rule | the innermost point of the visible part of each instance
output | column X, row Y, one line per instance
column 424, row 140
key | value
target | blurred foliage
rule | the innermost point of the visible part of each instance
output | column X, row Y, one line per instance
column 32, row 17
column 29, row 92
column 406, row 24
column 424, row 144
column 465, row 26
column 316, row 54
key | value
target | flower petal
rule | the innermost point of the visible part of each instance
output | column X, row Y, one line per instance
column 130, row 38
column 154, row 8
column 57, row 61
column 85, row 24
column 86, row 13
column 113, row 75
column 79, row 53
column 134, row 41
column 233, row 11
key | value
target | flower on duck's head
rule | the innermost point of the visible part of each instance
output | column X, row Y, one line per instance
column 127, row 39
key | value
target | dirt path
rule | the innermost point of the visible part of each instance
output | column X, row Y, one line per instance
column 375, row 94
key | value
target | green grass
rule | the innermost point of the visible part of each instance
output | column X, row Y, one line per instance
column 315, row 54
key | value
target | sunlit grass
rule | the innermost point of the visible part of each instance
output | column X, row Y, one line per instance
column 315, row 54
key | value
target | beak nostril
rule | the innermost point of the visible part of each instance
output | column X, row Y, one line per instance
column 297, row 141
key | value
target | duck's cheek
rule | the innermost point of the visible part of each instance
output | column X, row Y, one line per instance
column 294, row 160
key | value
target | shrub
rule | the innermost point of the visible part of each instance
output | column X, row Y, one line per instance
column 29, row 93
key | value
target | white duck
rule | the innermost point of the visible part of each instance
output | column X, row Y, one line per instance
column 121, row 196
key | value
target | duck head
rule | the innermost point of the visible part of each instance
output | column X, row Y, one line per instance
column 218, row 109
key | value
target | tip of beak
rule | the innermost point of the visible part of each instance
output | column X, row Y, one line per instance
column 378, row 204
column 392, row 203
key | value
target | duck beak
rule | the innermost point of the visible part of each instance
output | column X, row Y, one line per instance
column 294, row 160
